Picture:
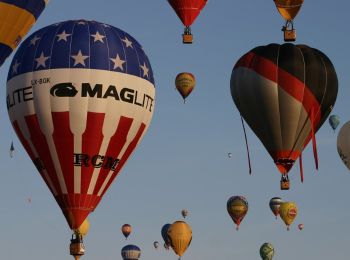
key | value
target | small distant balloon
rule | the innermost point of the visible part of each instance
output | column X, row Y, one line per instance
column 275, row 204
column 229, row 155
column 301, row 226
column 184, row 213
column 84, row 228
column 288, row 212
column 237, row 208
column 185, row 83
column 12, row 150
column 126, row 230
column 334, row 121
column 267, row 251
column 180, row 236
column 155, row 244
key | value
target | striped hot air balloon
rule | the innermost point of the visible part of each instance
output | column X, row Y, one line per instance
column 131, row 252
column 80, row 98
column 284, row 93
column 16, row 19
column 180, row 237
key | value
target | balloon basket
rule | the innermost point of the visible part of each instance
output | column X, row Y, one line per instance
column 76, row 247
column 290, row 35
column 187, row 38
column 285, row 185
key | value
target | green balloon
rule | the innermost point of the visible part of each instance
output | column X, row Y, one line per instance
column 267, row 251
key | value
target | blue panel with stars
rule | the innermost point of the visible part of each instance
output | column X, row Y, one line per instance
column 81, row 44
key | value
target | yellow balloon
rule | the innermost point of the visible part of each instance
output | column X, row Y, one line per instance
column 84, row 227
column 180, row 235
column 288, row 8
column 288, row 212
column 185, row 83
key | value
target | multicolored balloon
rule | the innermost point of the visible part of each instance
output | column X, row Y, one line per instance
column 274, row 204
column 301, row 226
column 343, row 144
column 126, row 230
column 16, row 19
column 267, row 251
column 334, row 121
column 237, row 208
column 185, row 83
column 131, row 252
column 288, row 212
column 180, row 236
column 285, row 93
column 187, row 11
column 80, row 96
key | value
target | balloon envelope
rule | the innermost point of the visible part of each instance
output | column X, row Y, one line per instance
column 155, row 244
column 237, row 208
column 288, row 212
column 87, row 100
column 185, row 83
column 343, row 144
column 285, row 93
column 334, row 121
column 131, row 252
column 126, row 230
column 184, row 213
column 267, row 251
column 288, row 8
column 187, row 10
column 275, row 205
column 301, row 226
column 16, row 19
column 180, row 236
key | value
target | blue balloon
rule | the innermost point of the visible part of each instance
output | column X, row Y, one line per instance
column 334, row 121
column 131, row 252
column 165, row 234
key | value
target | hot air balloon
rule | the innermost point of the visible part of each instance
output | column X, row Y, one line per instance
column 164, row 233
column 126, row 230
column 343, row 144
column 84, row 228
column 284, row 93
column 80, row 99
column 16, row 19
column 275, row 205
column 301, row 226
column 237, row 208
column 180, row 237
column 288, row 10
column 184, row 213
column 12, row 150
column 155, row 244
column 131, row 252
column 267, row 251
column 288, row 212
column 187, row 11
column 334, row 121
column 185, row 83
column 229, row 155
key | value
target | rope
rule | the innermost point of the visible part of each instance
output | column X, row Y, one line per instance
column 246, row 144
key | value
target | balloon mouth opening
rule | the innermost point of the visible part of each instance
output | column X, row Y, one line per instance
column 284, row 165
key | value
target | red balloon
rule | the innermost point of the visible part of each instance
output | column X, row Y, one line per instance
column 187, row 10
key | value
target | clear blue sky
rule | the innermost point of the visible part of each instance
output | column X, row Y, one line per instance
column 182, row 161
